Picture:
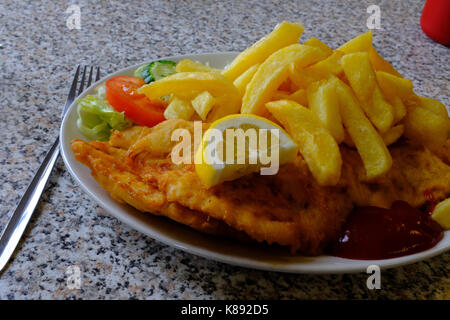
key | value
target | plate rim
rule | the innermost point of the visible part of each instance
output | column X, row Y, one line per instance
column 344, row 266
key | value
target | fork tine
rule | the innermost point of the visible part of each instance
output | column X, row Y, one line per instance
column 80, row 90
column 98, row 74
column 73, row 89
column 90, row 77
column 72, row 92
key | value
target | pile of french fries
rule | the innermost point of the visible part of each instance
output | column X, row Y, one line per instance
column 322, row 97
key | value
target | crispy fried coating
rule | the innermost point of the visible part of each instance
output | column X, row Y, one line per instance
column 109, row 167
column 288, row 208
column 415, row 172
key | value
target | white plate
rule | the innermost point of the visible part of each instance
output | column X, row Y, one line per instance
column 181, row 237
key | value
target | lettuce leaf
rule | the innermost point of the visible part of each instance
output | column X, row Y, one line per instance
column 96, row 118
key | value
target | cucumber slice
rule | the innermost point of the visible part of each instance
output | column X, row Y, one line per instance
column 138, row 71
column 146, row 75
column 161, row 69
column 158, row 70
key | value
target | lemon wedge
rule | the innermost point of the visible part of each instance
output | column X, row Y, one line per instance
column 441, row 214
column 240, row 144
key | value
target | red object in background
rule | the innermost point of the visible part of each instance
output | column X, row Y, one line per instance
column 435, row 20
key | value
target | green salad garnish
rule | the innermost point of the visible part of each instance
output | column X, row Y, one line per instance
column 97, row 118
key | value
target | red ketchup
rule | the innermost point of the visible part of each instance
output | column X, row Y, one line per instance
column 377, row 233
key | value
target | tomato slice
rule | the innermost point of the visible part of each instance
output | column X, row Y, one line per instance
column 122, row 95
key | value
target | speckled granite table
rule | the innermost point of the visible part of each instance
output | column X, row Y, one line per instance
column 38, row 53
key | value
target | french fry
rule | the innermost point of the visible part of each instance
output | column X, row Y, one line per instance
column 243, row 80
column 272, row 72
column 280, row 95
column 348, row 140
column 323, row 68
column 361, row 43
column 301, row 78
column 316, row 144
column 188, row 65
column 300, row 97
column 371, row 147
column 392, row 86
column 222, row 108
column 384, row 113
column 434, row 105
column 389, row 137
column 323, row 101
column 179, row 109
column 393, row 134
column 426, row 127
column 203, row 104
column 314, row 42
column 379, row 64
column 360, row 74
column 399, row 108
column 284, row 34
column 395, row 89
column 192, row 83
column 362, row 79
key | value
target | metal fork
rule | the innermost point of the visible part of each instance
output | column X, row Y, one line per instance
column 20, row 218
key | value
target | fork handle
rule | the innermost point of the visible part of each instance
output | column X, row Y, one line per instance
column 20, row 218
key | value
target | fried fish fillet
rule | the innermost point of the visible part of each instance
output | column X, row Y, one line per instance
column 416, row 174
column 288, row 208
column 109, row 165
